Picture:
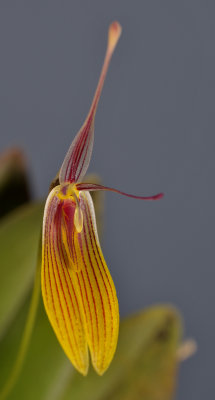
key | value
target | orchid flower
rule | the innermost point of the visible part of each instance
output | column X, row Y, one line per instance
column 78, row 292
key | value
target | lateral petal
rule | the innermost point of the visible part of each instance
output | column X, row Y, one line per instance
column 78, row 156
column 60, row 295
column 95, row 187
column 97, row 292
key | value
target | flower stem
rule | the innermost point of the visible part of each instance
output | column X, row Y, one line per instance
column 28, row 329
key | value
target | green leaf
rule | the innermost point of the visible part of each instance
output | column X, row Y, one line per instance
column 46, row 367
column 19, row 236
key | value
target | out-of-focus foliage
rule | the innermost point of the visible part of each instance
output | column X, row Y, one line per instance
column 19, row 237
column 14, row 187
column 46, row 367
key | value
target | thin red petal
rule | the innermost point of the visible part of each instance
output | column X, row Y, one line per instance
column 94, row 187
column 78, row 157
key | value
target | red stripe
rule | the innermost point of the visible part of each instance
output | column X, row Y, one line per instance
column 92, row 333
column 94, row 303
column 85, row 148
column 82, row 141
column 72, row 161
column 75, row 259
column 56, row 286
column 98, row 252
column 76, row 154
column 70, row 255
column 66, row 225
column 98, row 249
column 59, row 247
column 47, row 235
column 73, row 289
column 91, row 264
column 72, row 232
column 102, row 303
column 60, row 250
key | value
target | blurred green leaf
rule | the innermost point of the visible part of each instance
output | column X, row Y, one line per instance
column 19, row 236
column 144, row 366
column 14, row 187
column 46, row 368
column 145, row 363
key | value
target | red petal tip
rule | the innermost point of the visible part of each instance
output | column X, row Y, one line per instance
column 114, row 33
column 158, row 196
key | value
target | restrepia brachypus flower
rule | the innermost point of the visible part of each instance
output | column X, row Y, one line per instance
column 78, row 291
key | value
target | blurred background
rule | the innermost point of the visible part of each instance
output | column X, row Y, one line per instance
column 154, row 132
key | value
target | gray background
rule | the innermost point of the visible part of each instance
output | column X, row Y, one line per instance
column 154, row 132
